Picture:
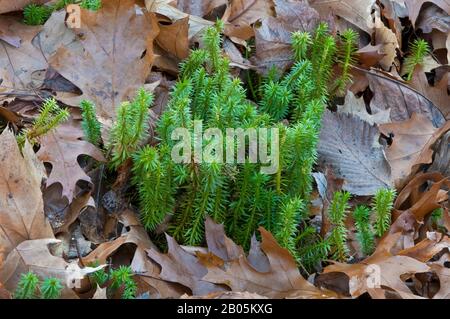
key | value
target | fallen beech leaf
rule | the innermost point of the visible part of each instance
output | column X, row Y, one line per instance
column 396, row 95
column 356, row 106
column 437, row 93
column 355, row 12
column 409, row 145
column 61, row 148
column 350, row 146
column 173, row 38
column 19, row 66
column 282, row 281
column 17, row 5
column 21, row 206
column 118, row 51
column 34, row 255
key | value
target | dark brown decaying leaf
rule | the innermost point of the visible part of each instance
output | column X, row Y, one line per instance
column 21, row 206
column 350, row 146
column 61, row 148
column 117, row 53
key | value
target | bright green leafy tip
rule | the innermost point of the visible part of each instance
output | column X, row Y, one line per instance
column 49, row 117
column 364, row 232
column 382, row 205
column 27, row 288
column 90, row 125
column 417, row 52
column 122, row 277
column 51, row 288
column 93, row 5
column 338, row 212
column 34, row 14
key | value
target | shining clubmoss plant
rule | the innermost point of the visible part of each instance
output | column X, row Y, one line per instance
column 237, row 194
column 93, row 5
column 27, row 288
column 346, row 57
column 122, row 277
column 364, row 231
column 130, row 128
column 35, row 14
column 90, row 125
column 382, row 205
column 50, row 116
column 51, row 288
column 418, row 50
column 338, row 212
column 286, row 230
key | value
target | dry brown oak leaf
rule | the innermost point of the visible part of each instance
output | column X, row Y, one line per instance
column 21, row 205
column 21, row 64
column 117, row 56
column 61, row 148
column 281, row 280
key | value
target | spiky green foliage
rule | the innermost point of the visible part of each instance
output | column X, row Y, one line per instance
column 239, row 195
column 292, row 210
column 93, row 5
column 300, row 45
column 27, row 288
column 312, row 249
column 382, row 205
column 130, row 128
column 49, row 117
column 338, row 212
column 437, row 215
column 346, row 57
column 90, row 125
column 35, row 14
column 364, row 231
column 417, row 52
column 122, row 277
column 51, row 288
